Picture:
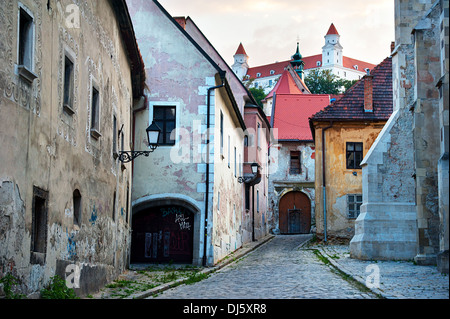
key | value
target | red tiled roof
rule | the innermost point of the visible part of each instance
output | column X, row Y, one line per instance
column 310, row 63
column 291, row 114
column 332, row 30
column 240, row 49
column 351, row 105
column 285, row 85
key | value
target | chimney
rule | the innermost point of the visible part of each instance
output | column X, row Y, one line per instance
column 368, row 92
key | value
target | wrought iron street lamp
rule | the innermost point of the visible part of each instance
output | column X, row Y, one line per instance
column 247, row 179
column 153, row 132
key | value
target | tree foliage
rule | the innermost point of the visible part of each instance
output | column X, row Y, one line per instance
column 325, row 82
column 258, row 94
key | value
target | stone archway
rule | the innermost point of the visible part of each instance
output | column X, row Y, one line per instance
column 294, row 213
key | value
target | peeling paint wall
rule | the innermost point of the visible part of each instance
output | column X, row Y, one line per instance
column 340, row 181
column 227, row 219
column 281, row 181
column 53, row 150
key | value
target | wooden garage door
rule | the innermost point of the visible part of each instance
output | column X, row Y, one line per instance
column 163, row 234
column 295, row 213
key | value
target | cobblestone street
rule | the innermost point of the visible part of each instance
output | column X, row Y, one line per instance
column 279, row 269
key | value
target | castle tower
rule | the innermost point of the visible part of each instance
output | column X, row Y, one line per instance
column 240, row 65
column 332, row 50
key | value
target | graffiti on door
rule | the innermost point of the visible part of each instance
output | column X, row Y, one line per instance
column 163, row 234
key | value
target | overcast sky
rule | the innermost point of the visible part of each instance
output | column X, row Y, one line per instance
column 269, row 29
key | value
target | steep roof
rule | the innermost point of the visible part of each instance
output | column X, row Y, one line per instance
column 351, row 105
column 310, row 63
column 126, row 29
column 332, row 30
column 285, row 85
column 291, row 113
column 240, row 50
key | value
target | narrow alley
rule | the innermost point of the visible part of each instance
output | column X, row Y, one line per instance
column 279, row 269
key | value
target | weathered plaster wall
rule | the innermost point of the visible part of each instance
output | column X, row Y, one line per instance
column 281, row 181
column 54, row 151
column 340, row 181
column 227, row 219
column 176, row 171
column 256, row 152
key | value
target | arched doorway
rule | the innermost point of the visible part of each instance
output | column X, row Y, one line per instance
column 163, row 234
column 295, row 213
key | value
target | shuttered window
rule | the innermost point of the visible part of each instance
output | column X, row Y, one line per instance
column 294, row 167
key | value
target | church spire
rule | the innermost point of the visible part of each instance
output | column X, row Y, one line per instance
column 297, row 62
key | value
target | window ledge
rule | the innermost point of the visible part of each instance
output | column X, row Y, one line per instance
column 26, row 74
column 95, row 133
column 69, row 110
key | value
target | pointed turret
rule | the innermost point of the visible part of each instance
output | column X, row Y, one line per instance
column 240, row 65
column 332, row 30
column 332, row 50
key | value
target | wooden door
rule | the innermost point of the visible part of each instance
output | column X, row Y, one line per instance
column 163, row 234
column 295, row 213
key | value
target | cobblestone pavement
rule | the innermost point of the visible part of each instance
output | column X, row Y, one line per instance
column 397, row 279
column 278, row 269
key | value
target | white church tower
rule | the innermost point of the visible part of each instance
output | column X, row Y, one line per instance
column 332, row 50
column 240, row 65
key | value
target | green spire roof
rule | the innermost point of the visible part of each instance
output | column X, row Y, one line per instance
column 297, row 62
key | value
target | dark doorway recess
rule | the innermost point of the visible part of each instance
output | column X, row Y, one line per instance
column 163, row 234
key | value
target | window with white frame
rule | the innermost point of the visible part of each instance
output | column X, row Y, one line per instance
column 25, row 39
column 354, row 202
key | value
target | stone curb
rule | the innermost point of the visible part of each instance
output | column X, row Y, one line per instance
column 233, row 258
column 357, row 277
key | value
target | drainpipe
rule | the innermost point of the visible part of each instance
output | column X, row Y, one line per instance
column 222, row 77
column 324, row 192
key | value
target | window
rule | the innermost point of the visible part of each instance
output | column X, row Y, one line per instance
column 221, row 133
column 258, row 135
column 95, row 113
column 114, row 207
column 354, row 202
column 68, row 86
column 39, row 226
column 229, row 152
column 294, row 167
column 257, row 201
column 114, row 141
column 272, row 72
column 128, row 203
column 164, row 117
column 25, row 39
column 355, row 67
column 235, row 163
column 318, row 63
column 354, row 155
column 76, row 207
column 258, row 75
column 247, row 196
